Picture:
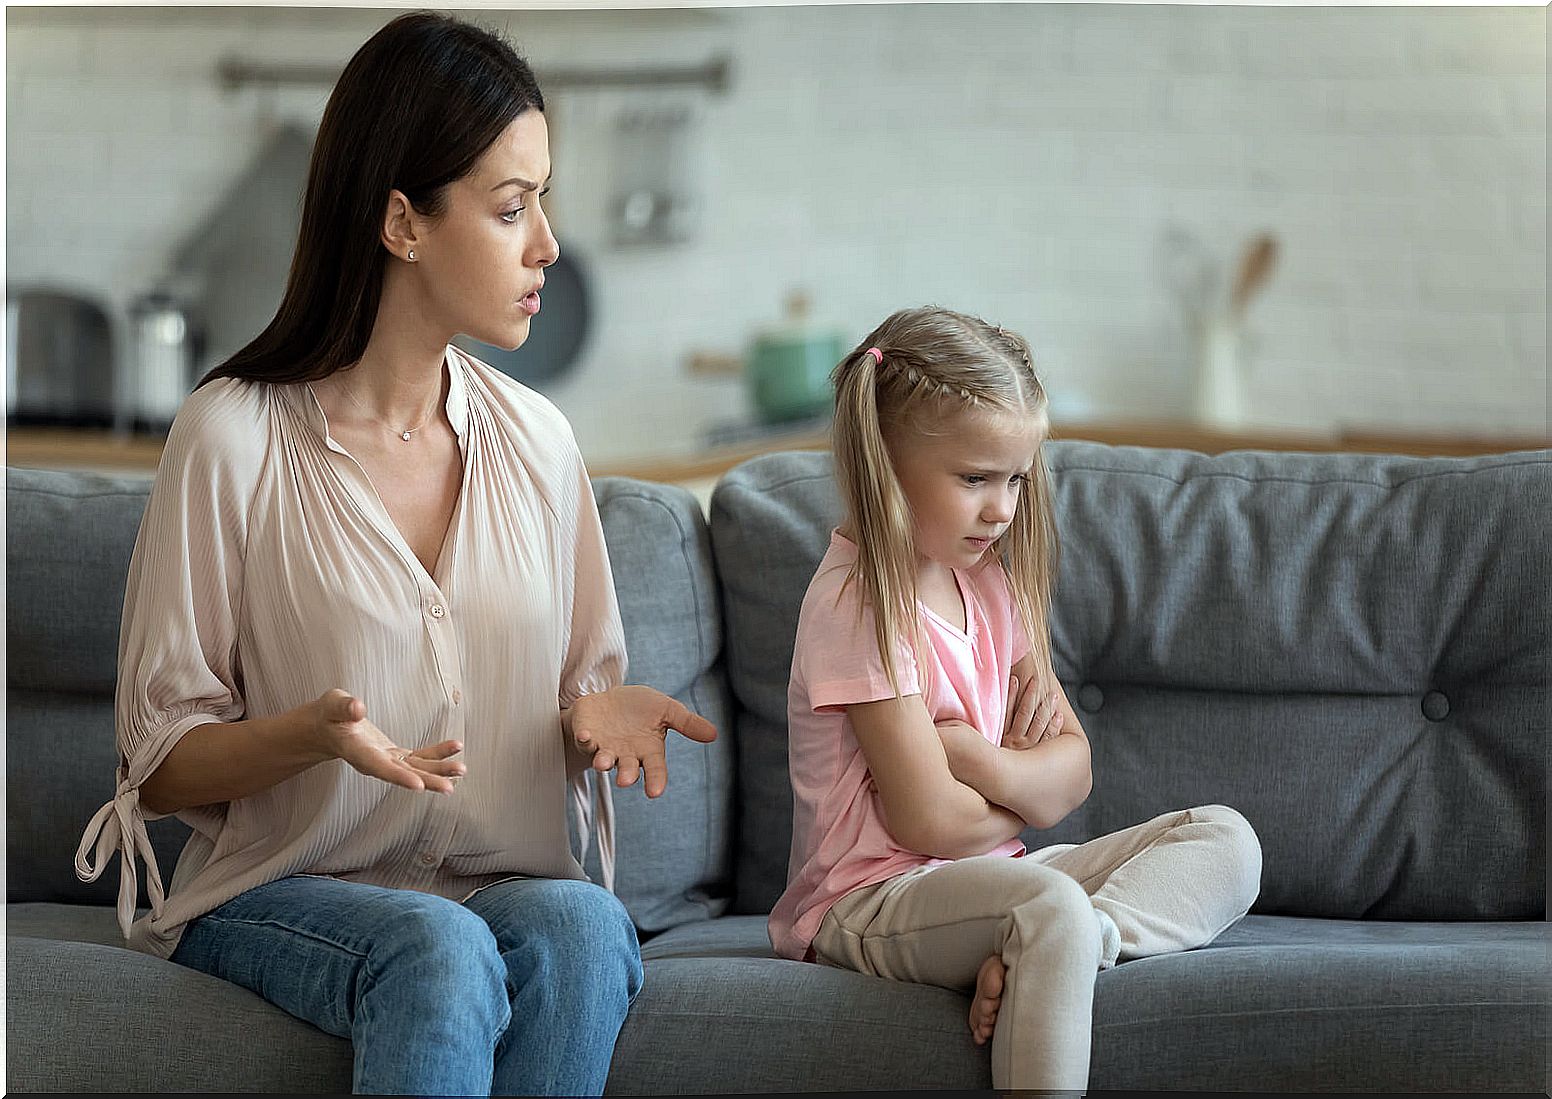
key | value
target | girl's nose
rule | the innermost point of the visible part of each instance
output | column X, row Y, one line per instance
column 1000, row 508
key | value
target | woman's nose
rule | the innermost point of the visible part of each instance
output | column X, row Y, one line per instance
column 545, row 248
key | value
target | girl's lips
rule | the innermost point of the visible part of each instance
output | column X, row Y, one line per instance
column 530, row 304
column 979, row 543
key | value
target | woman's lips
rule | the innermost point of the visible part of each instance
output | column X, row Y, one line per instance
column 530, row 304
column 979, row 543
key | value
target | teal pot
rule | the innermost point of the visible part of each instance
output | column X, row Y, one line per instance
column 789, row 375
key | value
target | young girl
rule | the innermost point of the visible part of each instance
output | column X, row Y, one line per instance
column 927, row 729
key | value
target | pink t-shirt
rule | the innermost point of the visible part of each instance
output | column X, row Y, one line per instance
column 839, row 842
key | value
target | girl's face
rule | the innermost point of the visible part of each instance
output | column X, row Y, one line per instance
column 964, row 483
column 484, row 259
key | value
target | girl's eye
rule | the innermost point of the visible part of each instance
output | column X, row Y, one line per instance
column 974, row 479
column 1017, row 479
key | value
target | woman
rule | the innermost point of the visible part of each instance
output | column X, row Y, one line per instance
column 370, row 635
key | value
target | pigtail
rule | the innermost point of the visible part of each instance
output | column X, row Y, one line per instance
column 885, row 570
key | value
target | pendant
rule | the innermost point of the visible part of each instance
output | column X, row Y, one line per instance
column 405, row 436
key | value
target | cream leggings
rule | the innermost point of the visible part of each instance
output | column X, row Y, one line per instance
column 1056, row 917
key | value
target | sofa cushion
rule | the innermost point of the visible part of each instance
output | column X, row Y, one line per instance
column 674, row 852
column 1349, row 649
column 1307, row 1004
column 90, row 1019
column 68, row 541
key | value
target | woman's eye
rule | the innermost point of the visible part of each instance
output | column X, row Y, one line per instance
column 511, row 215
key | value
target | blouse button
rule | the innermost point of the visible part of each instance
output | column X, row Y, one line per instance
column 437, row 610
column 427, row 858
column 457, row 696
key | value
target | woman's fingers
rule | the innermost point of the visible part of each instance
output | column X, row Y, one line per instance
column 451, row 768
column 688, row 723
column 395, row 772
column 341, row 705
column 655, row 767
column 629, row 771
column 603, row 760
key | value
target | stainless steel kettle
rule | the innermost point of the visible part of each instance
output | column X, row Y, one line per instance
column 162, row 355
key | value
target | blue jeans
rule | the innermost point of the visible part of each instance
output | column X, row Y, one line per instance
column 520, row 991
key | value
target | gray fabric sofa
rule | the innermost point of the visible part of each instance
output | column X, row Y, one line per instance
column 1351, row 650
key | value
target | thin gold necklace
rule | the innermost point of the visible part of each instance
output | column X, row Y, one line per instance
column 406, row 432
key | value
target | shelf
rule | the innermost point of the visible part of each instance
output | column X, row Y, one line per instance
column 65, row 448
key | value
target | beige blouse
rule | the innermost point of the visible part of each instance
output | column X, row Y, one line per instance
column 268, row 571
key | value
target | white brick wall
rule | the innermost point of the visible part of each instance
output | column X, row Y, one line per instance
column 1018, row 161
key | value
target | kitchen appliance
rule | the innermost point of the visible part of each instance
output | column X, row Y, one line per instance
column 164, row 346
column 59, row 366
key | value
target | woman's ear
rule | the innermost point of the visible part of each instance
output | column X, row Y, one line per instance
column 401, row 225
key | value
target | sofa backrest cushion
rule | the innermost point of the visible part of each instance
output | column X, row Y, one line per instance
column 1351, row 650
column 68, row 541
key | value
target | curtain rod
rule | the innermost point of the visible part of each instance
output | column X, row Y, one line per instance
column 234, row 73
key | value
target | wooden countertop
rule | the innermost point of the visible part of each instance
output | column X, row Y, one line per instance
column 66, row 448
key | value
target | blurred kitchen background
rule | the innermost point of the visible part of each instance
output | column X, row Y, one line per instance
column 1282, row 226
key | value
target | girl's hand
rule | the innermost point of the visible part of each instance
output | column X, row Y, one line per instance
column 625, row 727
column 1031, row 718
column 343, row 731
column 966, row 749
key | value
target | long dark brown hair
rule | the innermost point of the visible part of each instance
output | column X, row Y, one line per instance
column 415, row 108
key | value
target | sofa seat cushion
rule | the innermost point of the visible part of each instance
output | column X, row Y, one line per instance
column 1309, row 1004
column 87, row 1018
column 79, row 923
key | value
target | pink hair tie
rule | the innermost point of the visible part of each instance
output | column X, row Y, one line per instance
column 878, row 356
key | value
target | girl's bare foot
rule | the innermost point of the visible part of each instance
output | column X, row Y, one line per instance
column 987, row 999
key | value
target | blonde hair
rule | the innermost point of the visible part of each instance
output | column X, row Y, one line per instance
column 935, row 365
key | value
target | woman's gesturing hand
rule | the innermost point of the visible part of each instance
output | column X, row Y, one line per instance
column 625, row 727
column 345, row 732
column 1031, row 717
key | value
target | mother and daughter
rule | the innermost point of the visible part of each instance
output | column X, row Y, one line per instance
column 371, row 651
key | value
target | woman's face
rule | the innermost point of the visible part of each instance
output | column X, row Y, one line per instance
column 484, row 259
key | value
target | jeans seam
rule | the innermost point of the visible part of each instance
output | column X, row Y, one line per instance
column 300, row 932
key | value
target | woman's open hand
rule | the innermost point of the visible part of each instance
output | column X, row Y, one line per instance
column 625, row 727
column 1031, row 717
column 342, row 725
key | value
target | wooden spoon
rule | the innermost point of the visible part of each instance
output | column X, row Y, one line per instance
column 1254, row 269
